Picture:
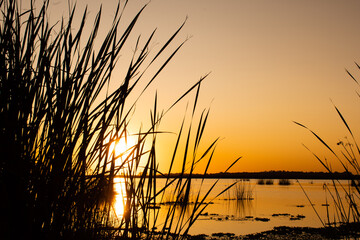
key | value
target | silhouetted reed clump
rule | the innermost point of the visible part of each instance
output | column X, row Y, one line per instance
column 243, row 190
column 345, row 199
column 265, row 182
column 284, row 182
column 58, row 119
column 261, row 181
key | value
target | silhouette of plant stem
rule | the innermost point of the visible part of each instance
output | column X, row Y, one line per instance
column 57, row 168
column 347, row 204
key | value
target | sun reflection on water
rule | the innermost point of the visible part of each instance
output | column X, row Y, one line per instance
column 120, row 197
column 121, row 149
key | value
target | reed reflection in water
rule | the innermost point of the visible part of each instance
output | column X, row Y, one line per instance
column 243, row 207
column 239, row 199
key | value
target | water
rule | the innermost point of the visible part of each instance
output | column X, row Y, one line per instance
column 278, row 204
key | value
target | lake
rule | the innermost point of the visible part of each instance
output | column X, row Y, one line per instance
column 271, row 206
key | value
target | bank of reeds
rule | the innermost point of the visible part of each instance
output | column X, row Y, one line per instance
column 58, row 119
column 347, row 153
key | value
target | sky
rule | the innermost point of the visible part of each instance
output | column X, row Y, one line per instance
column 271, row 62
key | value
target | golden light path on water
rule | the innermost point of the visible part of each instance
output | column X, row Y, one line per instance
column 122, row 148
column 120, row 197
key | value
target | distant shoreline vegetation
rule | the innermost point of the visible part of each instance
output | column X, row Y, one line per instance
column 269, row 175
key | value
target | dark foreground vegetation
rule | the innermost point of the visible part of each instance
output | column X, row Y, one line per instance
column 59, row 119
column 347, row 153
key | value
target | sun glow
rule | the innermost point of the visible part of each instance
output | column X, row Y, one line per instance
column 120, row 197
column 122, row 148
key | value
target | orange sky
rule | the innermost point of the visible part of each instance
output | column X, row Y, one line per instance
column 271, row 62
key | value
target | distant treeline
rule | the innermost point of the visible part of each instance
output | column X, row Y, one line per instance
column 273, row 175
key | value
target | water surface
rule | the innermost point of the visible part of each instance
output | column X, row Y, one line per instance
column 271, row 206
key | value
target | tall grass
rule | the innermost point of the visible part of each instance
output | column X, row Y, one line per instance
column 243, row 190
column 347, row 153
column 284, row 182
column 266, row 182
column 57, row 168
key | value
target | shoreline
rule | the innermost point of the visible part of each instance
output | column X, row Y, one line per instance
column 263, row 175
column 272, row 175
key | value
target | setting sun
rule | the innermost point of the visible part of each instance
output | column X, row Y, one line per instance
column 122, row 148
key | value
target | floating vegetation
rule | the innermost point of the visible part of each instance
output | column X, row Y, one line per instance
column 222, row 235
column 262, row 219
column 297, row 217
column 281, row 215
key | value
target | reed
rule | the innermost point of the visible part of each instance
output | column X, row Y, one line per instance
column 243, row 191
column 347, row 153
column 57, row 126
column 261, row 181
column 265, row 182
column 284, row 182
column 269, row 182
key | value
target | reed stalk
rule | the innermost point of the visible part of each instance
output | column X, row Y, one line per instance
column 243, row 191
column 284, row 182
column 57, row 168
column 347, row 153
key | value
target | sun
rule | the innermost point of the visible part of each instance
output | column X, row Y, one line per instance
column 124, row 146
column 121, row 148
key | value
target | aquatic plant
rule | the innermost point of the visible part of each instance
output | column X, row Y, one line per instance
column 284, row 181
column 269, row 181
column 265, row 181
column 59, row 119
column 261, row 181
column 347, row 153
column 242, row 190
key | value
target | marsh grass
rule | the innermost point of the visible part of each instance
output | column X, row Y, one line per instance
column 284, row 182
column 239, row 197
column 57, row 168
column 265, row 182
column 261, row 181
column 345, row 197
column 243, row 190
column 269, row 182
